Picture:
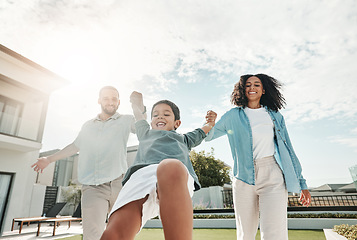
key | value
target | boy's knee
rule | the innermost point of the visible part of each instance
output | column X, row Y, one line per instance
column 171, row 170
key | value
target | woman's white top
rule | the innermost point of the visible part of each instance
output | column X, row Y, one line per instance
column 262, row 132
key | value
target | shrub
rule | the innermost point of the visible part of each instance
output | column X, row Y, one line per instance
column 322, row 215
column 349, row 232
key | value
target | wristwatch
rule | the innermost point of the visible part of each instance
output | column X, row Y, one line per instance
column 144, row 110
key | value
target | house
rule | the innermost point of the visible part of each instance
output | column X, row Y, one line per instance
column 334, row 189
column 328, row 188
column 25, row 88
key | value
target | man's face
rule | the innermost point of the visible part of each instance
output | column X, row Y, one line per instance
column 109, row 101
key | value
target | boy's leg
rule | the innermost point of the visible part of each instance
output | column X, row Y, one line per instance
column 125, row 223
column 175, row 202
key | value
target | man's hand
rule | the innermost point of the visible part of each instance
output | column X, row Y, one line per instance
column 41, row 164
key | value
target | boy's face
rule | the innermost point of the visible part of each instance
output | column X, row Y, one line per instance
column 163, row 118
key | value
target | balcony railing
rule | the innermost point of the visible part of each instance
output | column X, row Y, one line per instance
column 318, row 203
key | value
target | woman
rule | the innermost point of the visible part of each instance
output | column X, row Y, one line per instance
column 265, row 165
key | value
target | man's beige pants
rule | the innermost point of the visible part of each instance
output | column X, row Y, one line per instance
column 267, row 198
column 97, row 201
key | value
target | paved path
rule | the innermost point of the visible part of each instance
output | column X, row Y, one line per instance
column 29, row 232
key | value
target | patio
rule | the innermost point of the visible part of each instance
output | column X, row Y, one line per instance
column 46, row 231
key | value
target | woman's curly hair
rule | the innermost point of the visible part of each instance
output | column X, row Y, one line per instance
column 272, row 98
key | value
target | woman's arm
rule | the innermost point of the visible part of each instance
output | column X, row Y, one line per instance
column 219, row 129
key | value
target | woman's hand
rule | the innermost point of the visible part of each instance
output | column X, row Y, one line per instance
column 305, row 197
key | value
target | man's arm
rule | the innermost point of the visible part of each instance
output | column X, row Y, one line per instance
column 43, row 162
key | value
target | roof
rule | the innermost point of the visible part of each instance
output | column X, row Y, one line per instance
column 19, row 70
column 350, row 186
column 29, row 62
column 329, row 187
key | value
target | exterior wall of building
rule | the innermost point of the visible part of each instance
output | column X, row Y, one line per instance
column 25, row 88
column 353, row 171
column 18, row 163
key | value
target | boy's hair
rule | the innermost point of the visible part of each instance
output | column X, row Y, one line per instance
column 173, row 106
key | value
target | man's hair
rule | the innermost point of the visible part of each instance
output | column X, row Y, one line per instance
column 108, row 87
column 272, row 99
column 172, row 105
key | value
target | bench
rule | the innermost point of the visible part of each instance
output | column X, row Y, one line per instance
column 56, row 221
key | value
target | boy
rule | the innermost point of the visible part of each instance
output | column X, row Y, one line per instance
column 162, row 179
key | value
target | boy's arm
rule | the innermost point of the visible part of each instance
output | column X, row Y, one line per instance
column 194, row 138
column 137, row 105
column 210, row 121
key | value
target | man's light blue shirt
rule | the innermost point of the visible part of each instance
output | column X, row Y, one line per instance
column 236, row 126
column 103, row 148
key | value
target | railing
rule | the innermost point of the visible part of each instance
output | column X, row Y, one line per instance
column 227, row 198
column 318, row 203
column 323, row 201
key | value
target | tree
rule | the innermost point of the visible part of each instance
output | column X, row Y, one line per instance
column 210, row 171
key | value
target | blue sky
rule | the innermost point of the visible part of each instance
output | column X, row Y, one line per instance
column 193, row 52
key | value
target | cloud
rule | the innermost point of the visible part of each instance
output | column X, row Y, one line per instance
column 348, row 141
column 310, row 46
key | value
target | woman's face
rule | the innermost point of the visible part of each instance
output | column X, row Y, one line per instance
column 254, row 89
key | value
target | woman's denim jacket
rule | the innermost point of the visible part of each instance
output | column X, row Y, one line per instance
column 236, row 125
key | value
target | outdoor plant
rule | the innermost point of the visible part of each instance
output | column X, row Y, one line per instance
column 72, row 194
column 201, row 205
column 323, row 215
column 306, row 215
column 349, row 232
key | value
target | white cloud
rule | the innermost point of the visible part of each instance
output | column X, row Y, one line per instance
column 348, row 141
column 311, row 46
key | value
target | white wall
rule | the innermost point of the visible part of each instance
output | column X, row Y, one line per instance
column 210, row 197
column 21, row 190
column 37, row 200
column 33, row 106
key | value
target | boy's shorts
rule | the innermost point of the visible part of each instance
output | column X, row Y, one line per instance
column 140, row 184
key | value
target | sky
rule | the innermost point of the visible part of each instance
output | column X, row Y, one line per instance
column 192, row 53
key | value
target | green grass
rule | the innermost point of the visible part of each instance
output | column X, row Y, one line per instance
column 228, row 234
column 77, row 237
column 222, row 234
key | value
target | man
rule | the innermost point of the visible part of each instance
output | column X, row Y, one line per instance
column 102, row 163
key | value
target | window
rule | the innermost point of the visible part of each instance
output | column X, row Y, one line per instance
column 10, row 115
column 63, row 172
column 5, row 186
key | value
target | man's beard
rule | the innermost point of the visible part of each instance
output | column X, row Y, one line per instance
column 110, row 111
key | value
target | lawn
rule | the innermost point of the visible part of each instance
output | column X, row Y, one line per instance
column 221, row 234
column 228, row 234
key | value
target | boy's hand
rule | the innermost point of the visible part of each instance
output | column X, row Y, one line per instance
column 210, row 121
column 211, row 118
column 136, row 99
column 137, row 105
